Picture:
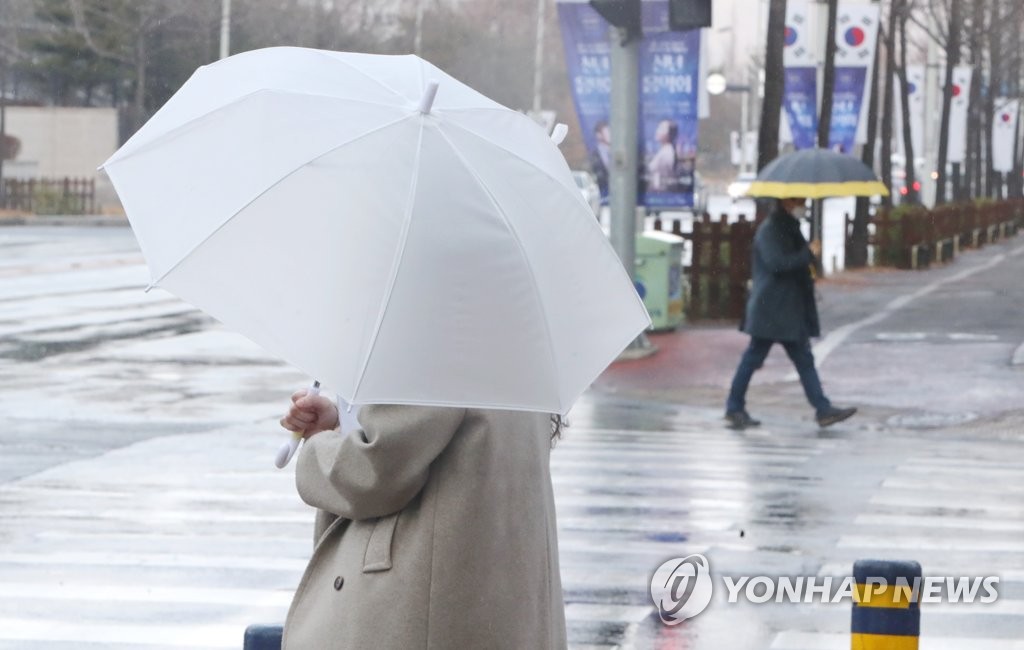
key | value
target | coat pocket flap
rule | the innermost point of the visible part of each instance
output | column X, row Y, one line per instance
column 378, row 548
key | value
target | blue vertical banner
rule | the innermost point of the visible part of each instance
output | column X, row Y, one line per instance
column 669, row 94
column 588, row 62
column 800, row 92
column 856, row 38
column 846, row 107
column 669, row 99
column 800, row 101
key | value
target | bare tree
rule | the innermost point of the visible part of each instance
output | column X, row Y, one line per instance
column 888, row 103
column 952, row 60
column 858, row 247
column 774, row 84
column 828, row 83
column 993, row 184
column 903, row 9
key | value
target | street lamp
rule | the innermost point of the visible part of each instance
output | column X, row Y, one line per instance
column 717, row 84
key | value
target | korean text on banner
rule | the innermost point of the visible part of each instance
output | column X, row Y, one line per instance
column 670, row 98
column 669, row 108
column 588, row 61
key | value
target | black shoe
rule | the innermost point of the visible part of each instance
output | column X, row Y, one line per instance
column 741, row 420
column 832, row 415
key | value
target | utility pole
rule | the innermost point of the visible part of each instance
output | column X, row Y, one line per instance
column 538, row 56
column 417, row 44
column 225, row 28
column 625, row 34
column 625, row 114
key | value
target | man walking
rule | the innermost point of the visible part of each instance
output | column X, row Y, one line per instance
column 781, row 309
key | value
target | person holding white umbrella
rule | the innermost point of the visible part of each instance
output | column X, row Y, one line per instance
column 425, row 252
column 436, row 528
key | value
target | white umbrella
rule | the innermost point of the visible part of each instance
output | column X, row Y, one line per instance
column 400, row 249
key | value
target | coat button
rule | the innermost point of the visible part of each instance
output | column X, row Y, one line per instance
column 338, row 583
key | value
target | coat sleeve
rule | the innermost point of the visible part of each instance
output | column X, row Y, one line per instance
column 769, row 245
column 378, row 469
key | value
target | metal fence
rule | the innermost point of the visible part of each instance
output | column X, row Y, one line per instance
column 916, row 237
column 49, row 195
column 719, row 268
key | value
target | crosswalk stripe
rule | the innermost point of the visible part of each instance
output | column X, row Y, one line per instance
column 964, row 503
column 186, row 635
column 63, row 590
column 1005, row 575
column 931, row 543
column 841, row 641
column 905, row 521
column 139, row 560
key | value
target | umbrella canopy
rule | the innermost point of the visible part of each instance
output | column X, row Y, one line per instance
column 816, row 174
column 399, row 248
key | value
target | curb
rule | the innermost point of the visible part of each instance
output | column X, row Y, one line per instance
column 90, row 220
column 1018, row 356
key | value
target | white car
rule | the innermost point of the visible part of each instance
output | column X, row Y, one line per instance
column 738, row 188
column 589, row 189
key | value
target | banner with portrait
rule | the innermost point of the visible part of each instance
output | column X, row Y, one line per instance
column 669, row 101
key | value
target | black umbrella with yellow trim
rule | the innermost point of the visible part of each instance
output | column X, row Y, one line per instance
column 816, row 174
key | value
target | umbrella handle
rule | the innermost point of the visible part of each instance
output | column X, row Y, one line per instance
column 288, row 449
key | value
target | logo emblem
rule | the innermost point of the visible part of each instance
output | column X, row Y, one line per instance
column 791, row 36
column 681, row 588
column 855, row 37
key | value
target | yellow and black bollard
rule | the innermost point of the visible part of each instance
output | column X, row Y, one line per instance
column 886, row 605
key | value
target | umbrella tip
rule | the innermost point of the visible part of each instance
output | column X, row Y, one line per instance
column 559, row 132
column 428, row 96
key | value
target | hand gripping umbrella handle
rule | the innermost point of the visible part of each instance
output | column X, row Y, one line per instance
column 288, row 449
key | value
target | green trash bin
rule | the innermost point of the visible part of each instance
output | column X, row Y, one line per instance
column 659, row 277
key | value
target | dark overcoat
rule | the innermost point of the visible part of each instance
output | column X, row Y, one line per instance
column 781, row 306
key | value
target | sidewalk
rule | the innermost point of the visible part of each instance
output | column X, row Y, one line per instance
column 859, row 310
column 80, row 220
column 695, row 363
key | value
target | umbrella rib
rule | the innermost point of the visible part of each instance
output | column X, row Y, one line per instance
column 512, row 153
column 234, row 102
column 267, row 189
column 395, row 265
column 362, row 72
column 519, row 244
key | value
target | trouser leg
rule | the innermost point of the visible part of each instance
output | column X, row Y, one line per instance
column 752, row 359
column 803, row 358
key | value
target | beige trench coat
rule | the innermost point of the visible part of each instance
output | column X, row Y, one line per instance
column 435, row 530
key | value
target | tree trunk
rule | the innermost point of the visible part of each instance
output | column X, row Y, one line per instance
column 139, row 101
column 976, row 120
column 910, row 179
column 771, row 106
column 993, row 180
column 952, row 60
column 857, row 249
column 828, row 82
column 1016, row 181
column 888, row 102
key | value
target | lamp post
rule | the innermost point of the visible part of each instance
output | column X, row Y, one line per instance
column 717, row 85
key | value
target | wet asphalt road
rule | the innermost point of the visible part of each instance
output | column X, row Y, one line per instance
column 139, row 506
